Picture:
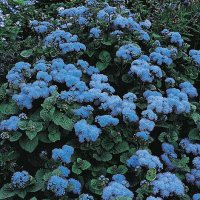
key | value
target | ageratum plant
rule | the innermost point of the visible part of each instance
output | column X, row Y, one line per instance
column 107, row 112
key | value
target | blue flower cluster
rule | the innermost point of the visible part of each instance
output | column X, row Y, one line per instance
column 20, row 179
column 117, row 189
column 10, row 124
column 189, row 89
column 76, row 14
column 57, row 185
column 190, row 147
column 86, row 132
column 143, row 135
column 163, row 55
column 63, row 154
column 169, row 153
column 144, row 70
column 153, row 198
column 95, row 32
column 40, row 27
column 196, row 196
column 168, row 184
column 129, row 51
column 176, row 101
column 86, row 196
column 170, row 81
column 175, row 38
column 84, row 111
column 194, row 176
column 142, row 158
column 106, row 120
column 65, row 41
column 195, row 54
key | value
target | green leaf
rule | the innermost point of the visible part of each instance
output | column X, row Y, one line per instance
column 96, row 187
column 54, row 133
column 105, row 157
column 121, row 169
column 126, row 78
column 105, row 57
column 3, row 91
column 85, row 165
column 121, row 147
column 101, row 66
column 21, row 193
column 75, row 169
column 63, row 120
column 6, row 192
column 14, row 136
column 47, row 115
column 26, row 53
column 151, row 174
column 194, row 134
column 36, row 187
column 28, row 145
column 107, row 144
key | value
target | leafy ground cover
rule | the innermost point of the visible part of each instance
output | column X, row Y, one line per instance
column 99, row 102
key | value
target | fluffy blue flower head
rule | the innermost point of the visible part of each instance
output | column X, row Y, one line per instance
column 20, row 179
column 57, row 185
column 196, row 196
column 106, row 120
column 168, row 184
column 142, row 158
column 63, row 154
column 86, row 132
column 10, row 124
column 95, row 32
column 129, row 51
column 116, row 190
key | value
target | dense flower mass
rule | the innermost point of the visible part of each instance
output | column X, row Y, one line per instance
column 167, row 184
column 128, row 52
column 63, row 154
column 116, row 189
column 20, row 179
column 143, row 158
column 10, row 124
column 86, row 132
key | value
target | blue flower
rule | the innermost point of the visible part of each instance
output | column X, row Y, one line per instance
column 170, row 81
column 153, row 198
column 168, row 184
column 146, row 24
column 63, row 154
column 189, row 89
column 10, row 124
column 146, row 125
column 149, row 114
column 86, row 132
column 175, row 38
column 195, row 54
column 142, row 158
column 20, row 179
column 64, row 171
column 196, row 196
column 57, row 185
column 106, row 120
column 83, row 111
column 190, row 147
column 114, row 190
column 95, row 32
column 128, row 51
column 144, row 70
column 169, row 150
column 143, row 135
column 75, row 186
